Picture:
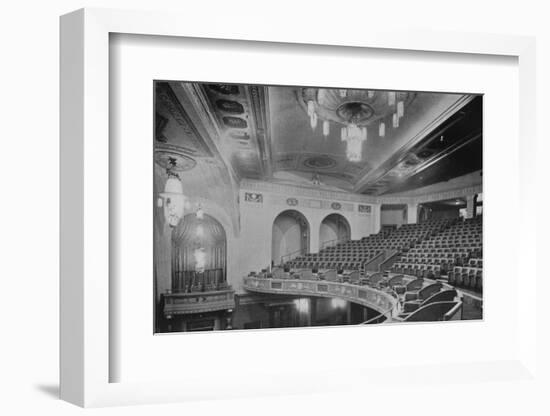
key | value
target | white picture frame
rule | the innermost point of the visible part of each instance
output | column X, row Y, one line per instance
column 85, row 221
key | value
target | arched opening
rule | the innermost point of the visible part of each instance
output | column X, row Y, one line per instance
column 199, row 250
column 290, row 236
column 334, row 228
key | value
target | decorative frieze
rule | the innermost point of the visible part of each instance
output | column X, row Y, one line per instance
column 364, row 209
column 304, row 194
column 253, row 197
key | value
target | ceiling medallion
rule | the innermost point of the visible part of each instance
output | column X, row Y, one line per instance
column 319, row 162
column 169, row 157
column 354, row 111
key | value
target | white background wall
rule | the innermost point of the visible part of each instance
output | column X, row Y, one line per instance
column 29, row 209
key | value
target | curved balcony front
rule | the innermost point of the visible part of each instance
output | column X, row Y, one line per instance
column 380, row 301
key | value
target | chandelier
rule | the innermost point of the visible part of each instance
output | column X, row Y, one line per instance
column 354, row 112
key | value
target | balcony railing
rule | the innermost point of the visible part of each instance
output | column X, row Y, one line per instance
column 378, row 300
column 198, row 302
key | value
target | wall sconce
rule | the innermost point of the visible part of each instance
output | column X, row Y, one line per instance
column 172, row 198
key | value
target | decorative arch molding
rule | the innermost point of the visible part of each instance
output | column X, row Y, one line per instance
column 231, row 227
column 286, row 237
column 292, row 210
column 340, row 217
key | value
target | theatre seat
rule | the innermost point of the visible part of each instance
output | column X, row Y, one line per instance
column 354, row 277
column 331, row 276
column 307, row 275
column 436, row 311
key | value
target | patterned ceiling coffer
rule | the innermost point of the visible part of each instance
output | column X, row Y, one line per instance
column 253, row 197
column 179, row 130
column 229, row 106
column 260, row 120
column 225, row 89
column 235, row 122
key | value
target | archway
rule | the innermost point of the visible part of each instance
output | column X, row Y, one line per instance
column 199, row 254
column 290, row 236
column 334, row 228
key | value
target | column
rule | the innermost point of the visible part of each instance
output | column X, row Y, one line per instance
column 470, row 206
column 412, row 213
column 376, row 218
column 314, row 229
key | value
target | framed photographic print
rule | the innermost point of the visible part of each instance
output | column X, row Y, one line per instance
column 292, row 174
column 318, row 214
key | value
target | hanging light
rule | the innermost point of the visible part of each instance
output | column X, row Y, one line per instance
column 395, row 121
column 400, row 109
column 313, row 121
column 310, row 108
column 391, row 98
column 326, row 128
column 382, row 129
column 172, row 198
column 344, row 134
column 354, row 137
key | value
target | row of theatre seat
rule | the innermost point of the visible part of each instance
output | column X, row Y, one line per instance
column 353, row 254
column 455, row 252
column 431, row 249
column 419, row 299
column 468, row 277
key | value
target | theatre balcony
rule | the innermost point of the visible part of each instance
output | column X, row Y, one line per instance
column 379, row 300
column 198, row 293
column 198, row 302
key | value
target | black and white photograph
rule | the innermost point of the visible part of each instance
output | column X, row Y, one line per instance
column 299, row 206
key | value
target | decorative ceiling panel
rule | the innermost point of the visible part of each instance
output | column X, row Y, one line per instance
column 268, row 133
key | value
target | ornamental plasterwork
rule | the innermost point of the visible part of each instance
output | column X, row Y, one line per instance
column 288, row 190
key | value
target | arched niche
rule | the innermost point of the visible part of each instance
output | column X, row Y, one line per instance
column 290, row 236
column 334, row 227
column 199, row 254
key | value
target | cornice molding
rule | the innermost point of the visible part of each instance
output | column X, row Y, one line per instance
column 302, row 191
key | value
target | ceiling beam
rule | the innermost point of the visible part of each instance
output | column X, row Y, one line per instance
column 369, row 177
column 257, row 97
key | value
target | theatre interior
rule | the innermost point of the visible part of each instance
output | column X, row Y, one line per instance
column 300, row 206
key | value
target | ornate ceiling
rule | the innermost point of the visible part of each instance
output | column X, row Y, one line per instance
column 234, row 132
